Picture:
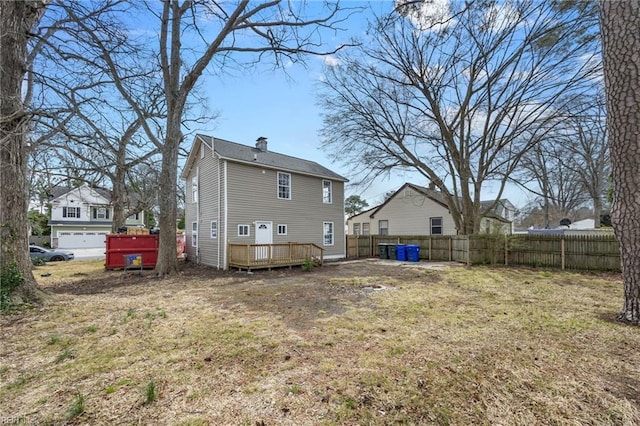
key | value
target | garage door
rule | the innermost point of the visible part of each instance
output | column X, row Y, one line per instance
column 71, row 240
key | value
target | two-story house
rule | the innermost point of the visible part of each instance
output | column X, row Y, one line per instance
column 417, row 210
column 244, row 194
column 81, row 217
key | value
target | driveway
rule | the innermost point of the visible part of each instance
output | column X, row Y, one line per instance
column 88, row 253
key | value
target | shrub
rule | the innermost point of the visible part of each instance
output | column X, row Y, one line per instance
column 307, row 265
column 10, row 279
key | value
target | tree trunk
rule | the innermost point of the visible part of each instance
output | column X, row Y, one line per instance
column 621, row 53
column 16, row 20
column 118, row 199
column 597, row 211
column 167, row 254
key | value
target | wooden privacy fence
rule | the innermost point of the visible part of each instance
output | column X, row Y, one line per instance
column 583, row 252
column 255, row 256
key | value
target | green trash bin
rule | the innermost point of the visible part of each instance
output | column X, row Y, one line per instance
column 392, row 249
column 384, row 253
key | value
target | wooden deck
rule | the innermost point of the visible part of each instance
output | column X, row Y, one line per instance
column 260, row 256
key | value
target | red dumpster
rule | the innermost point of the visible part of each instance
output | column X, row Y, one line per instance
column 121, row 245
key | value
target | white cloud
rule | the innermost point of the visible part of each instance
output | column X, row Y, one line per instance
column 331, row 61
column 429, row 15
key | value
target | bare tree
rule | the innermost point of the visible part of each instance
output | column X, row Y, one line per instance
column 457, row 96
column 78, row 114
column 588, row 148
column 17, row 19
column 192, row 35
column 620, row 21
column 557, row 184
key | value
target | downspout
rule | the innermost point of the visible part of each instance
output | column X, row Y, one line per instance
column 198, row 217
column 218, row 215
column 226, row 216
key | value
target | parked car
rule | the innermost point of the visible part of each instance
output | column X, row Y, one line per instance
column 49, row 255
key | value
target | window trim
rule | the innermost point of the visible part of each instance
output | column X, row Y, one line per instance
column 329, row 198
column 248, row 234
column 194, row 189
column 332, row 234
column 194, row 234
column 368, row 226
column 96, row 213
column 66, row 209
column 284, row 225
column 288, row 186
column 380, row 227
column 214, row 226
column 356, row 229
column 431, row 226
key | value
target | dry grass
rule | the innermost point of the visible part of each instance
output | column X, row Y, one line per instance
column 354, row 343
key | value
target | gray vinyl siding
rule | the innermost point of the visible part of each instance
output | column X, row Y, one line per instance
column 409, row 214
column 208, row 209
column 252, row 196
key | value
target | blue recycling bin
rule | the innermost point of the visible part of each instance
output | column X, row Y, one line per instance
column 413, row 253
column 401, row 252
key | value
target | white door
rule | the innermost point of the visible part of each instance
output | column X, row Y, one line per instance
column 264, row 235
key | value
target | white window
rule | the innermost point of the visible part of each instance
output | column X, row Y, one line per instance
column 284, row 186
column 135, row 216
column 327, row 233
column 214, row 229
column 383, row 227
column 282, row 229
column 100, row 213
column 356, row 229
column 436, row 225
column 71, row 212
column 194, row 234
column 243, row 230
column 365, row 229
column 326, row 192
column 194, row 189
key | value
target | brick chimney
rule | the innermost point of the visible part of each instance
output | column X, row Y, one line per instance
column 261, row 144
column 432, row 185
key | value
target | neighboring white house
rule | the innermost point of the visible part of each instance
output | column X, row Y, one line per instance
column 243, row 194
column 81, row 217
column 416, row 210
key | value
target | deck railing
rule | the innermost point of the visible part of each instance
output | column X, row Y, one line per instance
column 255, row 256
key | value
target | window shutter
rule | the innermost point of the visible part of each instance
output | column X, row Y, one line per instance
column 107, row 213
column 64, row 212
column 95, row 213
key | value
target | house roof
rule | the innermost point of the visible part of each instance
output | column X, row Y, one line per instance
column 251, row 155
column 432, row 194
column 437, row 197
column 58, row 191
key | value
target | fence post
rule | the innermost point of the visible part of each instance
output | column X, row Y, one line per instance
column 429, row 248
column 450, row 249
column 562, row 260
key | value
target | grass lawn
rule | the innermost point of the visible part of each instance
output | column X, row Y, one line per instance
column 350, row 343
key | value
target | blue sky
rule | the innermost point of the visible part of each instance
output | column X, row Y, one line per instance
column 283, row 108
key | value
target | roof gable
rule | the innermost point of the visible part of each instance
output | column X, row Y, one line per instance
column 431, row 194
column 83, row 193
column 236, row 152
